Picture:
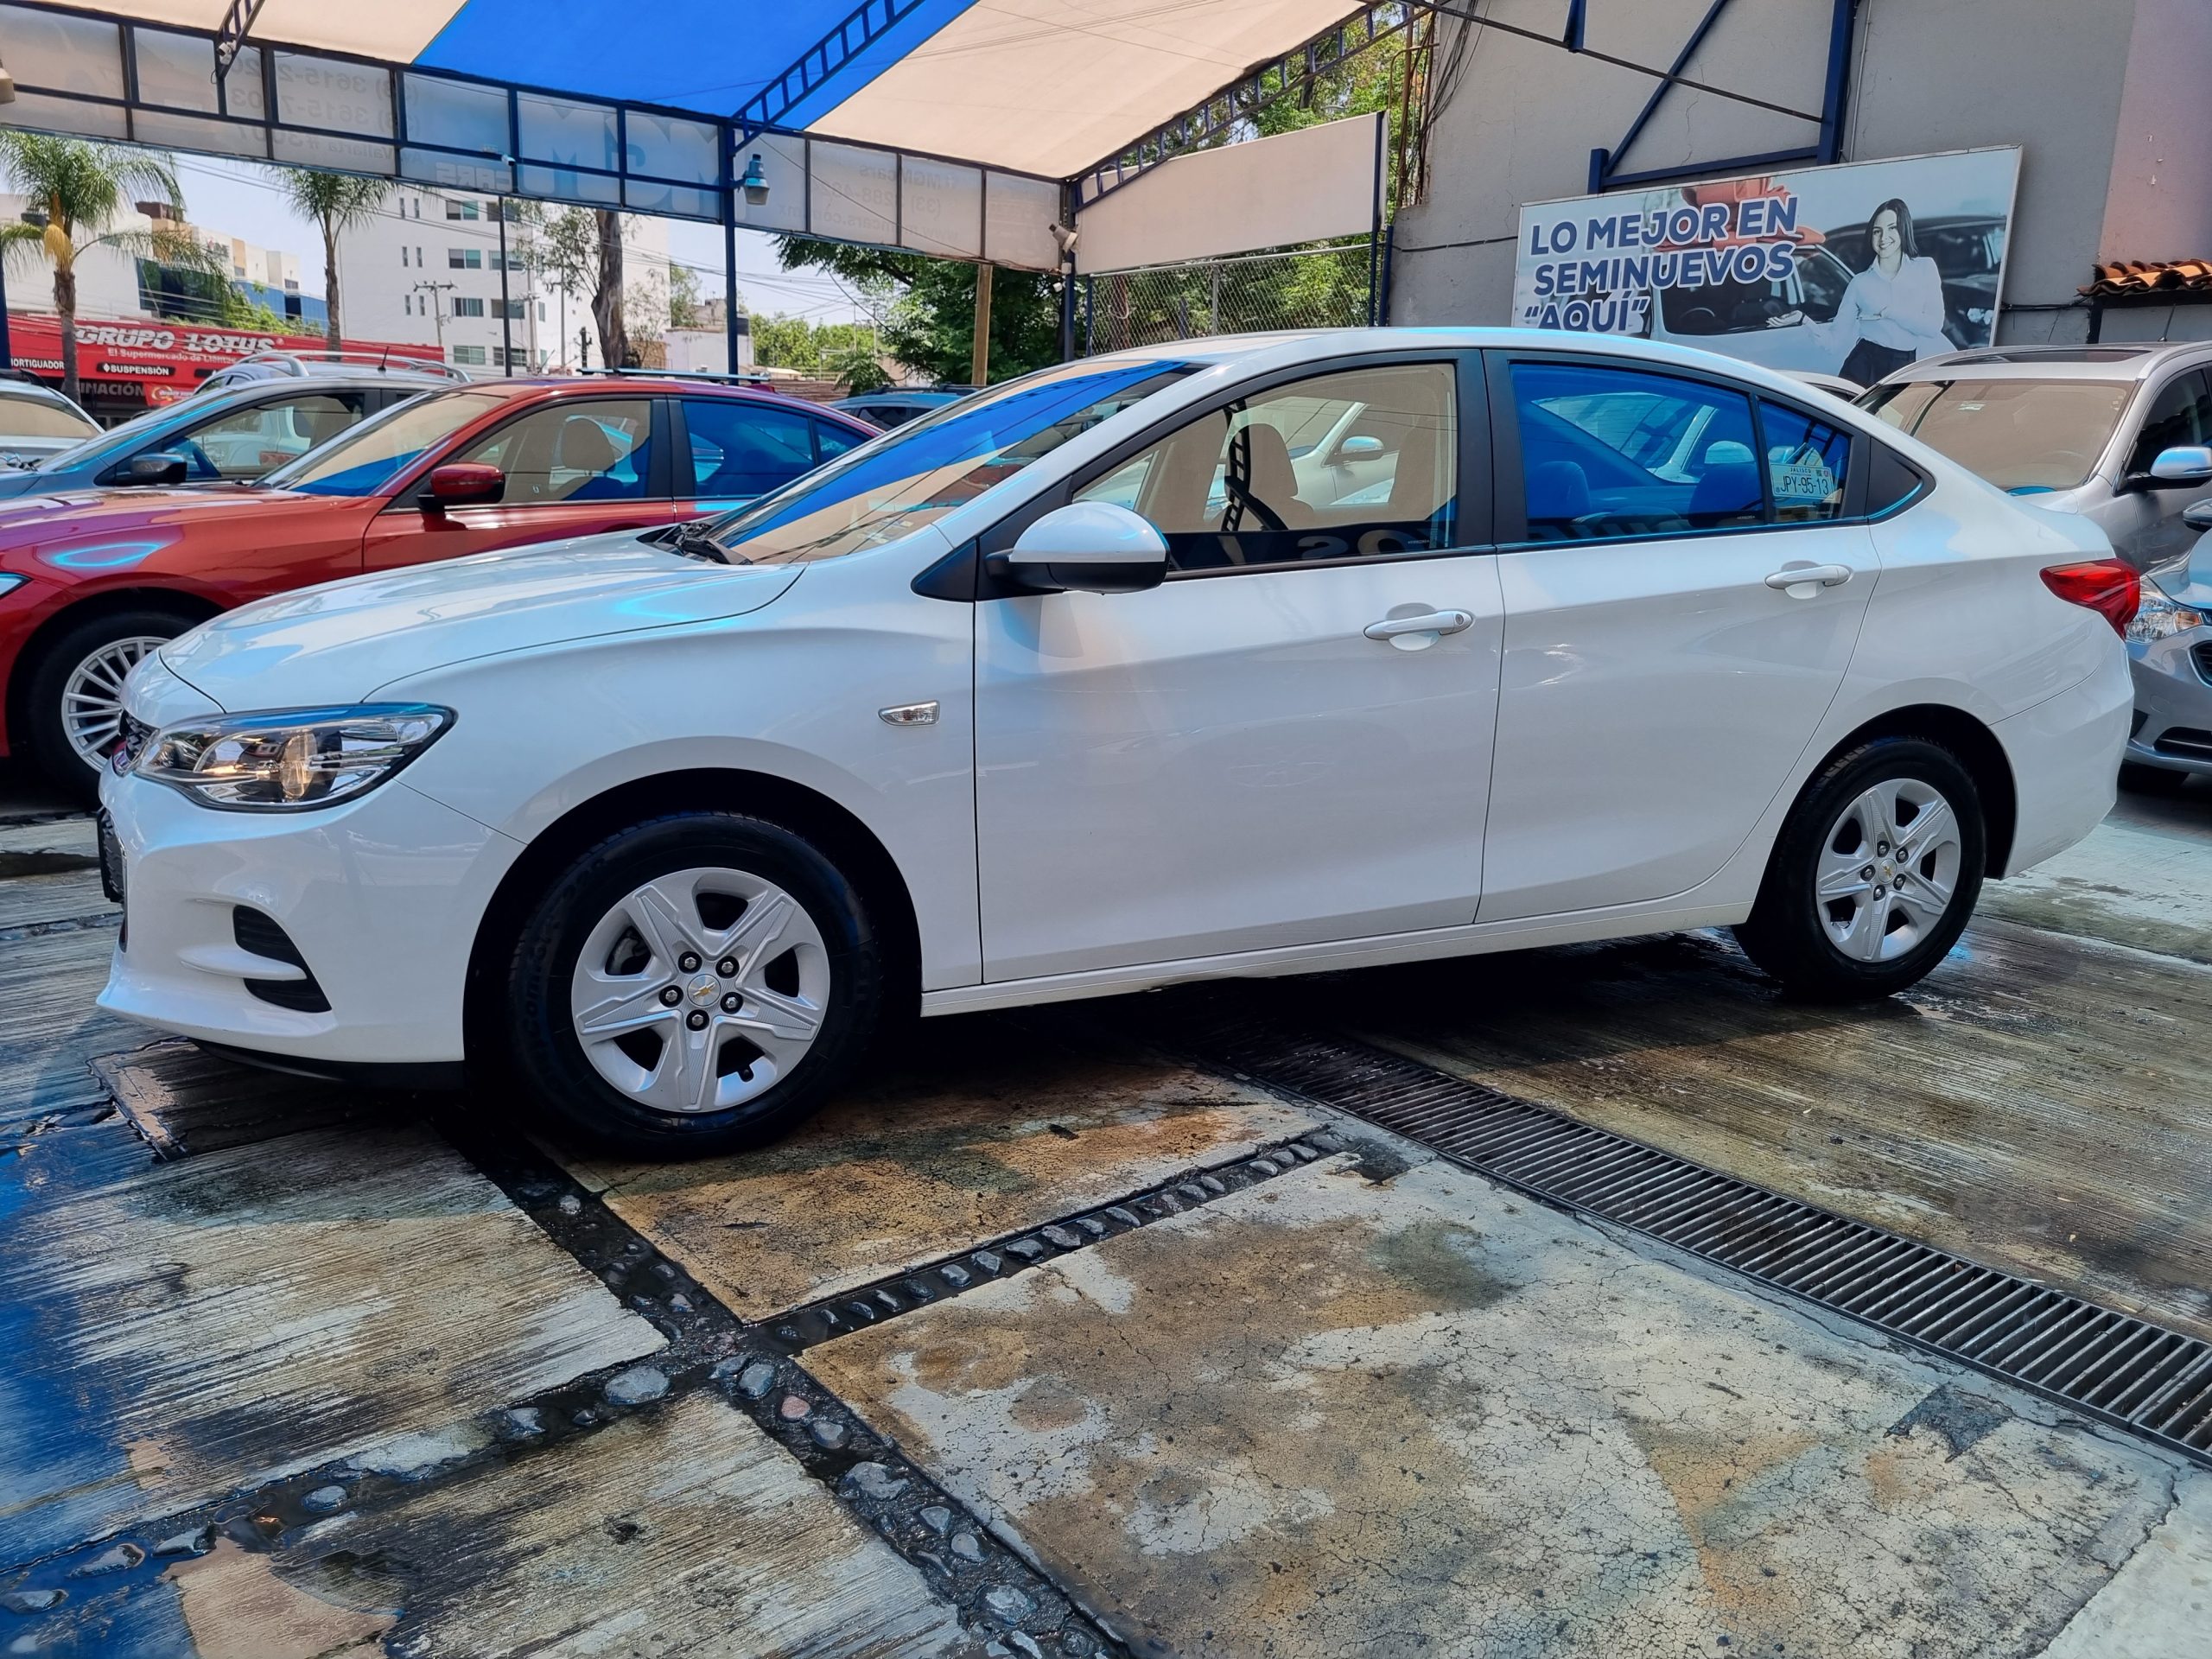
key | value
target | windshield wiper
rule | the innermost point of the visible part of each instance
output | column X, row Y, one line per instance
column 692, row 540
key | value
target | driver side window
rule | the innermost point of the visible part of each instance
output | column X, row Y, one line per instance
column 573, row 452
column 1360, row 463
column 247, row 442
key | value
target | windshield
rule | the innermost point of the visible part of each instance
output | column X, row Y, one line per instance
column 117, row 440
column 2027, row 437
column 367, row 457
column 923, row 470
column 34, row 417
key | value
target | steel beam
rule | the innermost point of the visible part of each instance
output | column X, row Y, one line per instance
column 859, row 29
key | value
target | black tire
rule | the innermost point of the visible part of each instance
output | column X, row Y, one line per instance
column 2151, row 780
column 543, row 1042
column 45, row 738
column 1787, row 934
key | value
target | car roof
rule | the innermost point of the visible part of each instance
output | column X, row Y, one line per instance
column 2123, row 361
column 34, row 392
column 630, row 381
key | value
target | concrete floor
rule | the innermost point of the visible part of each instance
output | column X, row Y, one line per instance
column 336, row 1373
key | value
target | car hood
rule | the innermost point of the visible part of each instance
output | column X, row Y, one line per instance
column 2187, row 580
column 338, row 643
column 101, row 528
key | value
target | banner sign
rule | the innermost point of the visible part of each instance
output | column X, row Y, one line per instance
column 1854, row 270
column 166, row 360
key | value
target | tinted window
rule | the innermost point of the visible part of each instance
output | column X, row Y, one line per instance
column 746, row 449
column 1890, row 480
column 1362, row 462
column 1806, row 461
column 246, row 443
column 835, row 440
column 1616, row 452
column 2023, row 435
column 573, row 452
column 2182, row 413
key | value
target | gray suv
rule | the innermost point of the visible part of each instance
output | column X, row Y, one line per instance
column 2119, row 434
column 250, row 418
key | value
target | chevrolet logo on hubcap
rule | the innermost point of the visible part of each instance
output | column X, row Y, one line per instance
column 703, row 989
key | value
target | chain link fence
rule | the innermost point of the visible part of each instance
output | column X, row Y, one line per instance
column 1252, row 293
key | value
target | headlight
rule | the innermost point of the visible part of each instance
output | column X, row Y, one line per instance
column 294, row 758
column 2160, row 618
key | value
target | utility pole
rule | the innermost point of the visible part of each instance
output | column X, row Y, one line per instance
column 583, row 348
column 979, row 361
column 506, row 310
column 437, row 311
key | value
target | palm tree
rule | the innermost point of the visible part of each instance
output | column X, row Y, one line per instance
column 75, row 191
column 337, row 202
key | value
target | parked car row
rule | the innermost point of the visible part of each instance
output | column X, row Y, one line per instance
column 1242, row 657
column 282, row 481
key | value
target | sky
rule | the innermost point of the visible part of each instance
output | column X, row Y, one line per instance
column 238, row 199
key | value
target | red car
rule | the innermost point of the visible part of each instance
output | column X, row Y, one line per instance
column 90, row 583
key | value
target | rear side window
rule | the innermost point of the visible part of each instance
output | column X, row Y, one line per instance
column 1610, row 452
column 1892, row 480
column 833, row 440
column 744, row 449
column 1807, row 460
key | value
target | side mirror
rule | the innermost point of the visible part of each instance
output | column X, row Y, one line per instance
column 1361, row 445
column 2185, row 463
column 1092, row 546
column 463, row 484
column 159, row 466
column 2197, row 515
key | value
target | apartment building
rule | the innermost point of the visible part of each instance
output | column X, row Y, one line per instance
column 454, row 270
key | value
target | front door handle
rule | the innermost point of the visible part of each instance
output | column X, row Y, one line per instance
column 1801, row 580
column 1430, row 622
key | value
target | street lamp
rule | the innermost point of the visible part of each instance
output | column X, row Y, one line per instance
column 755, row 181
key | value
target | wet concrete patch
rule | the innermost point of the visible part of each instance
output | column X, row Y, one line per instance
column 1328, row 1416
column 2137, row 880
column 680, row 1528
column 994, row 1126
column 50, row 1030
column 2040, row 1103
column 183, row 1100
column 180, row 1329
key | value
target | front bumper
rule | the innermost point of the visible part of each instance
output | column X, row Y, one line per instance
column 2173, row 704
column 382, row 897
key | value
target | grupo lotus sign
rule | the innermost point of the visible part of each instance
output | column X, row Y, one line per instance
column 1855, row 270
column 167, row 360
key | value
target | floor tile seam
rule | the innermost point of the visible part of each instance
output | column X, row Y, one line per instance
column 869, row 1305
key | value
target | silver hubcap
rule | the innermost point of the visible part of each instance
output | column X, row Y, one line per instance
column 1888, row 870
column 700, row 991
column 92, row 699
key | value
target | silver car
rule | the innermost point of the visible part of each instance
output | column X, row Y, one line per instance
column 36, row 422
column 2120, row 434
column 2170, row 650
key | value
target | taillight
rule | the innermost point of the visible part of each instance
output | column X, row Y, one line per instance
column 2106, row 586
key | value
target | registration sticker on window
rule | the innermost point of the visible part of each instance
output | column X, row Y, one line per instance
column 1806, row 478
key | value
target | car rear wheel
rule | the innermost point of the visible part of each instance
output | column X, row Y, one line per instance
column 72, row 702
column 1874, row 874
column 696, row 983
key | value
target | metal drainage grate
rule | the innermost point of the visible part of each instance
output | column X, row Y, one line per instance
column 2142, row 1376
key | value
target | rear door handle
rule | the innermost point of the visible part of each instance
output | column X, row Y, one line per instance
column 1799, row 581
column 1394, row 628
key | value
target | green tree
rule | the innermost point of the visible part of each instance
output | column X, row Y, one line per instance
column 336, row 202
column 565, row 248
column 684, row 308
column 76, row 190
column 930, row 326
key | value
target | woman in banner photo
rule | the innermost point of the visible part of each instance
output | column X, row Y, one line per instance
column 1892, row 313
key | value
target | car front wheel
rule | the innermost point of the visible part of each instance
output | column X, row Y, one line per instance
column 73, row 702
column 1874, row 874
column 693, row 984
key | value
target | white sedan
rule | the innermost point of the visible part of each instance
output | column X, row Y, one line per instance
column 1095, row 682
